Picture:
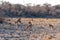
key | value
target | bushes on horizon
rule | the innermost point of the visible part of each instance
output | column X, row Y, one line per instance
column 19, row 10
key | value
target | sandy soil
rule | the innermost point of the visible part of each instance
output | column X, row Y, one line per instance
column 30, row 29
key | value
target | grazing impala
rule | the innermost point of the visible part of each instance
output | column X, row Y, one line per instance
column 29, row 26
column 51, row 26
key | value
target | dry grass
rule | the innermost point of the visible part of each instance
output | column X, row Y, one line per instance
column 48, row 37
column 36, row 21
column 34, row 37
column 36, row 24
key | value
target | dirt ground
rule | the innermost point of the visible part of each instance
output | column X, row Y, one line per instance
column 30, row 29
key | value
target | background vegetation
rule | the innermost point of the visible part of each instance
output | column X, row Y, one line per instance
column 18, row 10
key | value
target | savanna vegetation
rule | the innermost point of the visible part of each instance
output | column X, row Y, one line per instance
column 36, row 11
